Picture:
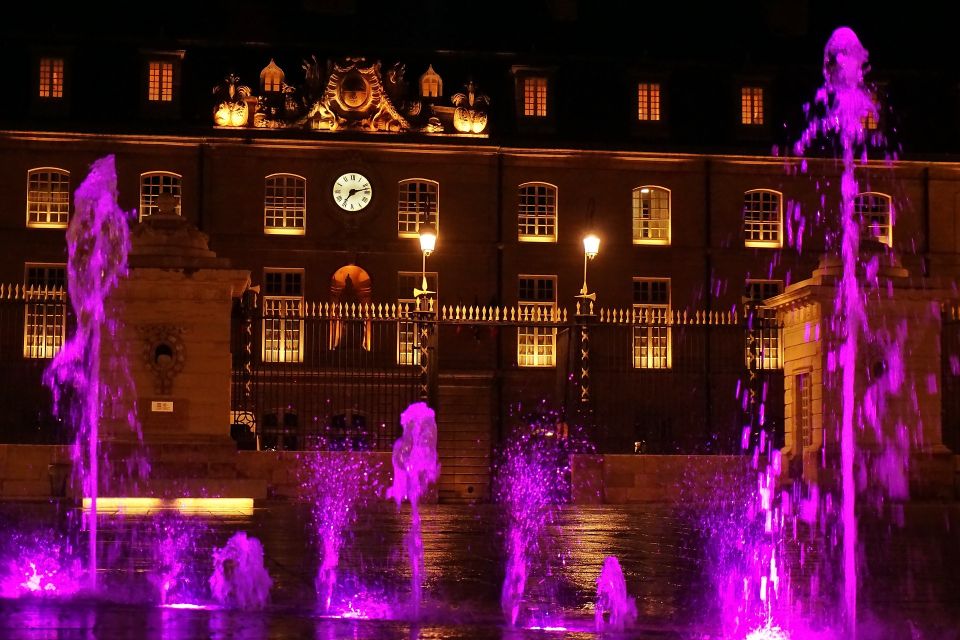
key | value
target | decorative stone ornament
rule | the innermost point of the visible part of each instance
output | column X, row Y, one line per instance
column 163, row 354
column 470, row 115
column 231, row 109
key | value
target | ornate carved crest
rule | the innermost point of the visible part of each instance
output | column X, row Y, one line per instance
column 163, row 354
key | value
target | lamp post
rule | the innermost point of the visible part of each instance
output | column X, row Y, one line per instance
column 591, row 247
column 424, row 312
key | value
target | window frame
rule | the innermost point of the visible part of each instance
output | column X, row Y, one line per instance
column 407, row 330
column 646, row 104
column 750, row 95
column 531, row 339
column 50, row 171
column 535, row 96
column 286, row 213
column 164, row 90
column 288, row 318
column 403, row 226
column 535, row 216
column 49, row 304
column 50, row 85
column 760, row 243
column 886, row 240
column 154, row 206
column 636, row 194
column 803, row 409
column 769, row 356
column 657, row 336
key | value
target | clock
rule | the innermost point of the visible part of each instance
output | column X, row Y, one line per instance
column 352, row 192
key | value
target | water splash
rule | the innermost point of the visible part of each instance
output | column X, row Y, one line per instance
column 42, row 565
column 239, row 578
column 98, row 240
column 526, row 489
column 174, row 547
column 415, row 466
column 336, row 480
column 845, row 101
column 614, row 608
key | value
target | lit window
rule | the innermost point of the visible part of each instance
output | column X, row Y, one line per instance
column 651, row 215
column 160, row 84
column 535, row 96
column 431, row 84
column 751, row 105
column 762, row 218
column 152, row 185
column 282, row 315
column 802, row 408
column 763, row 331
column 284, row 204
column 537, row 212
column 648, row 102
column 417, row 203
column 536, row 345
column 51, row 77
column 651, row 323
column 869, row 121
column 45, row 312
column 48, row 197
column 271, row 78
column 873, row 210
column 408, row 344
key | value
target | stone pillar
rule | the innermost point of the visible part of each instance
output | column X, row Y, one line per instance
column 900, row 310
column 174, row 311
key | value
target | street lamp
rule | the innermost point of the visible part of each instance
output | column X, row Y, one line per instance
column 428, row 241
column 591, row 247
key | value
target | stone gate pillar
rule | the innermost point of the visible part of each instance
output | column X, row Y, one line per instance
column 897, row 381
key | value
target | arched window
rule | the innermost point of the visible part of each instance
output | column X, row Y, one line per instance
column 537, row 212
column 48, row 197
column 284, row 204
column 418, row 202
column 875, row 214
column 152, row 184
column 431, row 84
column 651, row 215
column 762, row 218
column 271, row 78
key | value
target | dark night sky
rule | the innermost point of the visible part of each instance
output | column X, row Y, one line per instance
column 751, row 31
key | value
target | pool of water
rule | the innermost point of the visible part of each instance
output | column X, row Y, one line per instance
column 911, row 584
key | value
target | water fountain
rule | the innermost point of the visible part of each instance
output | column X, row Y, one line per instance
column 98, row 240
column 615, row 609
column 415, row 467
column 239, row 578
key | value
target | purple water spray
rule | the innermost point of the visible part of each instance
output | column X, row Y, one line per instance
column 415, row 466
column 846, row 100
column 98, row 240
column 615, row 609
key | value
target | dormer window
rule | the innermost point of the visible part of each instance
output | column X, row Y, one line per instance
column 51, row 78
column 271, row 78
column 431, row 84
column 160, row 82
column 535, row 97
column 751, row 105
column 648, row 102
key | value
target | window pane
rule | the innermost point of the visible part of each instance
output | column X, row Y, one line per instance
column 285, row 203
column 417, row 201
column 537, row 214
column 651, row 215
column 48, row 198
column 151, row 186
column 45, row 311
column 761, row 218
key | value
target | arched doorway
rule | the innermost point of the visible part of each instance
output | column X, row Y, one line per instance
column 350, row 285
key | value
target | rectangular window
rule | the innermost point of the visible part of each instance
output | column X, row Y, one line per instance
column 763, row 330
column 751, row 105
column 536, row 345
column 160, row 82
column 284, row 204
column 651, row 319
column 45, row 311
column 648, row 102
column 282, row 315
column 874, row 212
column 417, row 203
column 408, row 332
column 651, row 215
column 51, row 78
column 48, row 198
column 803, row 408
column 762, row 218
column 537, row 213
column 535, row 97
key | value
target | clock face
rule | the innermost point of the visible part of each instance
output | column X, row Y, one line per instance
column 352, row 192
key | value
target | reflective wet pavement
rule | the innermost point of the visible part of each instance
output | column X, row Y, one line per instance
column 912, row 580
